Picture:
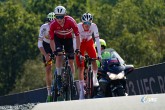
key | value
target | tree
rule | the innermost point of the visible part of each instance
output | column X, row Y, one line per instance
column 33, row 77
column 137, row 50
column 18, row 40
column 43, row 7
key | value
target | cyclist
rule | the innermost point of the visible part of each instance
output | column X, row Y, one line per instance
column 44, row 47
column 61, row 35
column 86, row 29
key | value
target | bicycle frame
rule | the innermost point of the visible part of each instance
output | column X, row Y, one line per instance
column 67, row 80
column 66, row 92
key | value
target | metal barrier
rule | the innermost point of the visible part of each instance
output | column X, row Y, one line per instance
column 147, row 80
column 34, row 96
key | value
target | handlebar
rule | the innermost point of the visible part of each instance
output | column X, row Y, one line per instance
column 90, row 59
column 86, row 58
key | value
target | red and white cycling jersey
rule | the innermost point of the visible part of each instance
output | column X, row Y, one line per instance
column 87, row 35
column 70, row 26
column 87, row 43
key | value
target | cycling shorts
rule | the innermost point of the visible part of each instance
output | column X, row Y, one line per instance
column 68, row 45
column 89, row 48
column 47, row 49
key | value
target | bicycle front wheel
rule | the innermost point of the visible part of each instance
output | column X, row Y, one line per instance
column 54, row 88
column 90, row 88
column 69, row 89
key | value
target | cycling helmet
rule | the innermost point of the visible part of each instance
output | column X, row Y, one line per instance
column 86, row 17
column 60, row 10
column 102, row 43
column 51, row 16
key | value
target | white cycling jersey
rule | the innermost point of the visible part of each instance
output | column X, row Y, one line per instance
column 44, row 34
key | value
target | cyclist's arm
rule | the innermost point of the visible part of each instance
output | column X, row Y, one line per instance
column 76, row 32
column 51, row 30
column 77, row 42
column 98, row 46
column 52, row 45
column 42, row 51
column 96, row 36
column 51, row 33
column 74, row 42
column 40, row 41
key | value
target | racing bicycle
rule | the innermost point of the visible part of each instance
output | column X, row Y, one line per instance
column 88, row 77
column 68, row 89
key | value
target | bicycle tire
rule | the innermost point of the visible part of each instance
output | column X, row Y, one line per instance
column 54, row 88
column 69, row 90
column 89, row 92
column 71, row 85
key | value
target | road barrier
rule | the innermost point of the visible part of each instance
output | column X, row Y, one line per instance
column 147, row 80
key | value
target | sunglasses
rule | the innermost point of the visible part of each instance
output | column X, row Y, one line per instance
column 59, row 17
column 87, row 23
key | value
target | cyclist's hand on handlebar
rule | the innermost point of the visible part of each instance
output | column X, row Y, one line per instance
column 81, row 57
column 54, row 54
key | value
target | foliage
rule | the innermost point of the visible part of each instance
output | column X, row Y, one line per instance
column 137, row 50
column 43, row 7
column 34, row 73
column 18, row 42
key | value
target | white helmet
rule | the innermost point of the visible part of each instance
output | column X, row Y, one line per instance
column 60, row 10
column 86, row 17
